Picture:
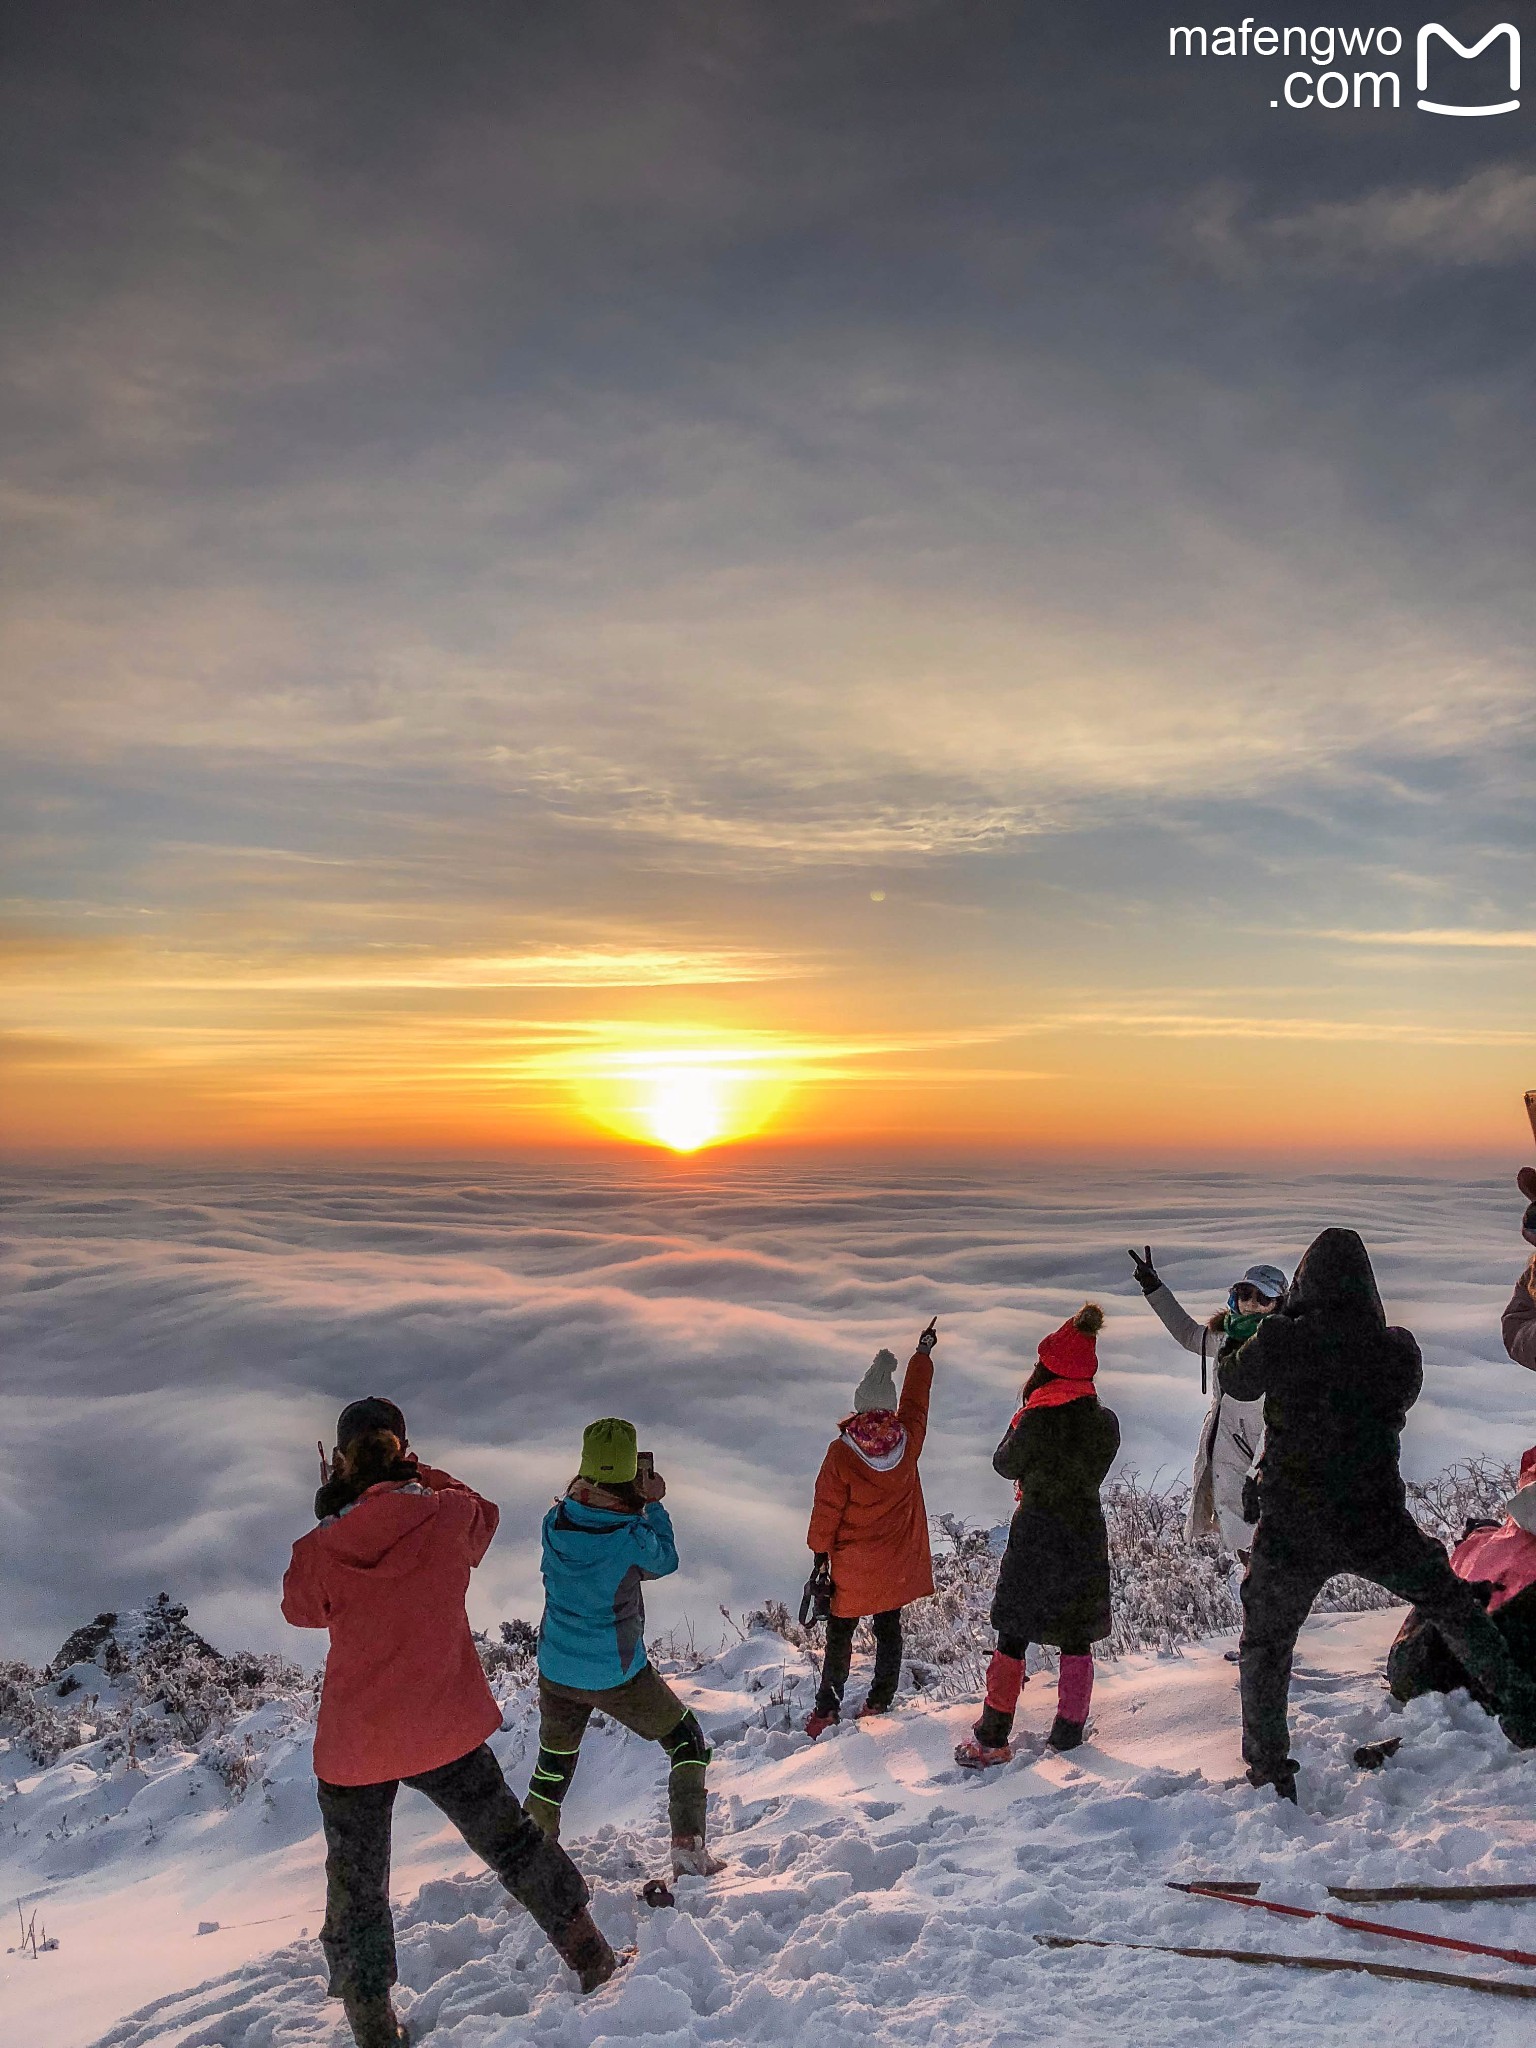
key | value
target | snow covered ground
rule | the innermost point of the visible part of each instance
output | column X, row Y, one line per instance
column 874, row 1892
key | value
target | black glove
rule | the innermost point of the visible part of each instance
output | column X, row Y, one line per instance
column 1527, row 1186
column 816, row 1600
column 1146, row 1272
column 930, row 1336
column 1252, row 1504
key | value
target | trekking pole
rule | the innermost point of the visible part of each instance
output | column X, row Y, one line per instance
column 1348, row 1920
column 1385, row 1894
column 1329, row 1965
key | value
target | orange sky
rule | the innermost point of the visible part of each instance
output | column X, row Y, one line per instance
column 129, row 1051
column 545, row 579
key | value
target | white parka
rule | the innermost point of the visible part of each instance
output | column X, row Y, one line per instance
column 1231, row 1436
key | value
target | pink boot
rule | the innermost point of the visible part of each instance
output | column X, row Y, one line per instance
column 1074, row 1695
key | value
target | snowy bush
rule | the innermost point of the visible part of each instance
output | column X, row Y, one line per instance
column 515, row 1656
column 42, row 1731
column 1473, row 1490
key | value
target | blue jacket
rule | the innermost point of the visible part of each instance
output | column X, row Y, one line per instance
column 593, row 1632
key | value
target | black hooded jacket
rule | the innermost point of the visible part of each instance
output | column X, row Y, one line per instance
column 1337, row 1385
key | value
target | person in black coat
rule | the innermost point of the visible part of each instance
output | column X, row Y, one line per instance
column 1337, row 1385
column 1053, row 1586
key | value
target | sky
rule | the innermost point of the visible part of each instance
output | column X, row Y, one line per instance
column 174, row 1344
column 867, row 572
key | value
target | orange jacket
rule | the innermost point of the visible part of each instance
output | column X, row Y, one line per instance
column 873, row 1525
column 404, row 1691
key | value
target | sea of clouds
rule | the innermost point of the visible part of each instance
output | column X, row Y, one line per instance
column 175, row 1342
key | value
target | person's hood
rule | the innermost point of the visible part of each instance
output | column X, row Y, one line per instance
column 877, row 1436
column 1335, row 1280
column 386, row 1532
column 580, row 1534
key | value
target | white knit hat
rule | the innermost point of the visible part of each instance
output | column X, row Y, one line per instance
column 877, row 1389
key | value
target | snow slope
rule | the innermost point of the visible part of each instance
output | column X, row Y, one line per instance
column 874, row 1893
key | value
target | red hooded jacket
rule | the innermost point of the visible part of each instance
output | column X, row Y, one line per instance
column 404, row 1691
column 869, row 1515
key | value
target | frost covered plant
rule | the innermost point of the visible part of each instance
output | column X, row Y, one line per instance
column 42, row 1731
column 515, row 1655
column 1472, row 1490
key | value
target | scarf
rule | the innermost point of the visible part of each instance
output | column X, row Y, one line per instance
column 1236, row 1331
column 877, row 1437
column 1057, row 1393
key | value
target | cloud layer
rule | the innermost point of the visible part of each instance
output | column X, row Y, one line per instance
column 174, row 1346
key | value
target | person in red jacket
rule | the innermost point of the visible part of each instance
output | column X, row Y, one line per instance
column 405, row 1698
column 869, row 1527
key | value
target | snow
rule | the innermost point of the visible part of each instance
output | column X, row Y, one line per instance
column 874, row 1893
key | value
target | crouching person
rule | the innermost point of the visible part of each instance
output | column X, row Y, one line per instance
column 1498, row 1561
column 405, row 1701
column 869, row 1527
column 1053, row 1586
column 601, row 1542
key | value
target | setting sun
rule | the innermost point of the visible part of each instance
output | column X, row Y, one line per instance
column 687, row 1110
column 683, row 1098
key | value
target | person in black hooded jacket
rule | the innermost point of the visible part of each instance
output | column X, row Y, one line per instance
column 1337, row 1385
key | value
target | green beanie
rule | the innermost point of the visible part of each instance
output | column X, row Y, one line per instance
column 608, row 1452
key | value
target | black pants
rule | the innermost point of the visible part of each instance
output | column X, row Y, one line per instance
column 359, row 1935
column 839, row 1655
column 1288, row 1569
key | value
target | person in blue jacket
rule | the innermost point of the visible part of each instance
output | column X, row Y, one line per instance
column 602, row 1541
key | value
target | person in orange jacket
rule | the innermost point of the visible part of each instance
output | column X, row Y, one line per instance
column 869, row 1527
column 405, row 1698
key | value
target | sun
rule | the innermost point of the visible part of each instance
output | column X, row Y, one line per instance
column 683, row 1099
column 686, row 1110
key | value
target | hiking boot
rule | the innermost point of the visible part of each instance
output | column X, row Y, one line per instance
column 691, row 1857
column 1065, row 1734
column 972, row 1755
column 872, row 1707
column 373, row 2022
column 817, row 1723
column 1281, row 1775
column 582, row 1947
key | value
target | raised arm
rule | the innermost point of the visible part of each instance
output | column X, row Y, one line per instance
column 654, row 1543
column 1250, row 1372
column 304, row 1602
column 1170, row 1312
column 916, row 1388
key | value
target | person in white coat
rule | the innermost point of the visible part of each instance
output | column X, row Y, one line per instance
column 1222, row 1497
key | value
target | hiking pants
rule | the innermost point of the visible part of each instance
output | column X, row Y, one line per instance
column 1289, row 1567
column 359, row 1935
column 647, row 1705
column 839, row 1656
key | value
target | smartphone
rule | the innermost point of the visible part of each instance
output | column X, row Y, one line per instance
column 1530, row 1108
column 645, row 1465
